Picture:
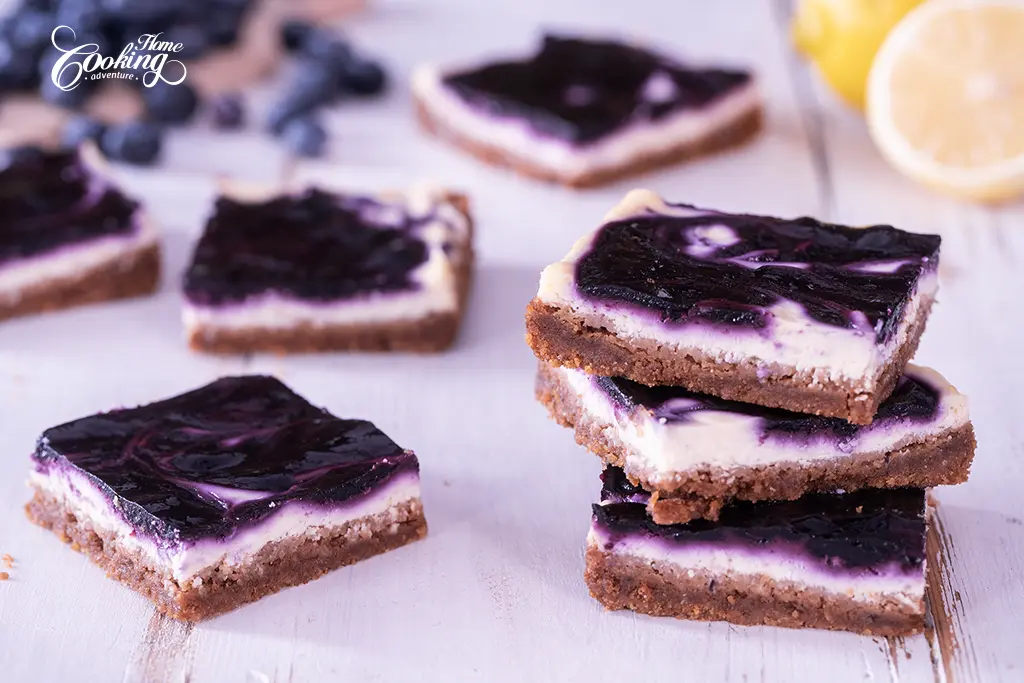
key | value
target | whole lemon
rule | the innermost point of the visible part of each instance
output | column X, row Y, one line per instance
column 841, row 37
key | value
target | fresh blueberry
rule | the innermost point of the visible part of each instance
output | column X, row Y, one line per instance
column 223, row 24
column 137, row 142
column 193, row 39
column 327, row 48
column 142, row 13
column 363, row 77
column 17, row 68
column 30, row 30
column 228, row 111
column 74, row 98
column 168, row 103
column 24, row 154
column 305, row 136
column 80, row 16
column 313, row 86
column 66, row 39
column 81, row 128
column 294, row 34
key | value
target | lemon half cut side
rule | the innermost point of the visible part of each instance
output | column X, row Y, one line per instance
column 946, row 97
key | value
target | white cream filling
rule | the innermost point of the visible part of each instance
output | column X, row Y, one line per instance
column 827, row 353
column 435, row 286
column 186, row 561
column 864, row 585
column 518, row 139
column 662, row 452
column 74, row 260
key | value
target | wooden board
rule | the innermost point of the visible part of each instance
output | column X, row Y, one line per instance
column 495, row 592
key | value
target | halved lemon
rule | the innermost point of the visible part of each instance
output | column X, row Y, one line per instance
column 946, row 97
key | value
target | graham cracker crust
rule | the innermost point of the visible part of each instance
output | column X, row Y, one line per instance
column 431, row 334
column 278, row 565
column 736, row 134
column 699, row 493
column 559, row 337
column 132, row 275
column 665, row 590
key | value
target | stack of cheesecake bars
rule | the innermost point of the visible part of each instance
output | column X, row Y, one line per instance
column 745, row 379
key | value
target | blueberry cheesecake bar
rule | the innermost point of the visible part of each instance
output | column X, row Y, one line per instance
column 843, row 561
column 69, row 236
column 786, row 313
column 695, row 453
column 313, row 270
column 583, row 112
column 225, row 494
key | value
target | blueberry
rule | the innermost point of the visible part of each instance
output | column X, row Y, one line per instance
column 305, row 136
column 327, row 48
column 30, row 30
column 151, row 14
column 228, row 111
column 168, row 103
column 223, row 24
column 64, row 38
column 313, row 86
column 363, row 77
column 193, row 39
column 17, row 68
column 81, row 128
column 24, row 154
column 74, row 98
column 137, row 142
column 80, row 16
column 294, row 34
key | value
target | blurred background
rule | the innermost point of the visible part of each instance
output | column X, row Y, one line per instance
column 944, row 107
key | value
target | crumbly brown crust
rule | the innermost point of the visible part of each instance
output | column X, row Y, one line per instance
column 430, row 334
column 289, row 562
column 559, row 337
column 736, row 134
column 135, row 274
column 665, row 590
column 944, row 458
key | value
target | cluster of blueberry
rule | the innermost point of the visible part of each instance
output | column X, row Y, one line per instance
column 27, row 57
column 329, row 69
column 327, row 72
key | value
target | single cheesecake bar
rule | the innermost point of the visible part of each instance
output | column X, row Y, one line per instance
column 313, row 270
column 68, row 236
column 695, row 453
column 584, row 112
column 795, row 314
column 844, row 561
column 220, row 496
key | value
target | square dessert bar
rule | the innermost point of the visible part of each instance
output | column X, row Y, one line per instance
column 845, row 561
column 220, row 496
column 583, row 112
column 313, row 270
column 785, row 313
column 68, row 235
column 696, row 453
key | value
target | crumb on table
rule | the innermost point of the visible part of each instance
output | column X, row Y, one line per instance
column 4, row 576
column 7, row 560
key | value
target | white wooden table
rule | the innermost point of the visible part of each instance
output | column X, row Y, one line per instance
column 495, row 593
